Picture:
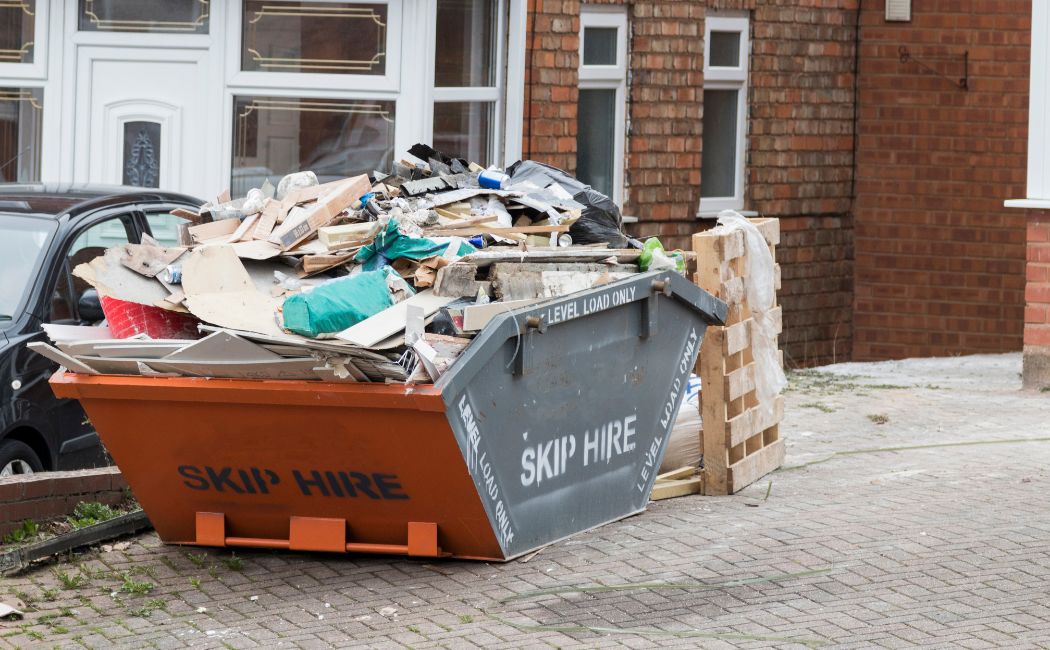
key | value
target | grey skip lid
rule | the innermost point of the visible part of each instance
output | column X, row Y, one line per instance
column 562, row 410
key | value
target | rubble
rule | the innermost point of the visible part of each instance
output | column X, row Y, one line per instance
column 382, row 279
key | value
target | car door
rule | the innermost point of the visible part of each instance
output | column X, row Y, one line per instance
column 73, row 441
column 156, row 220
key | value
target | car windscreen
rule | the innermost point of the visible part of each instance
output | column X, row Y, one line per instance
column 23, row 241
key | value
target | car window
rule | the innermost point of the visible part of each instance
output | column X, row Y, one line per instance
column 23, row 241
column 89, row 244
column 163, row 227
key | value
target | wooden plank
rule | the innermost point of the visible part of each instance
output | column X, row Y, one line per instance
column 755, row 466
column 671, row 489
column 770, row 229
column 739, row 382
column 713, row 411
column 212, row 229
column 737, row 337
column 754, row 421
column 677, row 474
column 486, row 230
column 391, row 320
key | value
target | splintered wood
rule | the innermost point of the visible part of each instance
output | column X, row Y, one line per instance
column 741, row 437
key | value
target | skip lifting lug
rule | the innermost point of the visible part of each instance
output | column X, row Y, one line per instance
column 649, row 307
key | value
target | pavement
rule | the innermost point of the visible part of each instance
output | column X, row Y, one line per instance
column 912, row 511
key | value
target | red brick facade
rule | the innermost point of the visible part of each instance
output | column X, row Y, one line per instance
column 913, row 194
column 1037, row 308
column 939, row 260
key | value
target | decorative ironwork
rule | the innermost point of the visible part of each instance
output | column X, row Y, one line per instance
column 963, row 82
column 91, row 20
column 23, row 54
column 141, row 165
column 373, row 65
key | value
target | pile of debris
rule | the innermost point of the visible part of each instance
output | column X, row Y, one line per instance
column 382, row 279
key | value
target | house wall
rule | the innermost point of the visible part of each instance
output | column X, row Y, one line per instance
column 1036, row 373
column 939, row 260
column 800, row 139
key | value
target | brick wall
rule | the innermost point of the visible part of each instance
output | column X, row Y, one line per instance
column 1036, row 372
column 800, row 137
column 47, row 495
column 939, row 260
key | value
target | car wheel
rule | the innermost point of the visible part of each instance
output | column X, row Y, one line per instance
column 18, row 458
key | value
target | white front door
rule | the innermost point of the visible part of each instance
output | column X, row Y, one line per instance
column 142, row 116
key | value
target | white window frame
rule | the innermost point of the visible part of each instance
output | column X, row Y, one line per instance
column 493, row 94
column 609, row 77
column 38, row 68
column 729, row 78
column 1037, row 195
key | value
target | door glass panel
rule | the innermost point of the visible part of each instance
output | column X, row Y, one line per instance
column 93, row 242
column 333, row 37
column 464, row 130
column 599, row 46
column 17, row 25
column 334, row 138
column 718, row 164
column 141, row 154
column 465, row 46
column 163, row 227
column 180, row 16
column 725, row 49
column 20, row 119
column 596, row 139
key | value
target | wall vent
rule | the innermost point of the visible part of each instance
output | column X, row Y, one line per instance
column 898, row 10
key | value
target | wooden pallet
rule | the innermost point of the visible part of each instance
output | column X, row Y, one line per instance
column 740, row 438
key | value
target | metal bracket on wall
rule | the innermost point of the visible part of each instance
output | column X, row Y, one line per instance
column 962, row 82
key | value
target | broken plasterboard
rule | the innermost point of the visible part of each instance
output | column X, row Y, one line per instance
column 279, row 369
column 391, row 320
column 61, row 358
column 222, row 346
column 220, row 291
column 62, row 333
column 114, row 280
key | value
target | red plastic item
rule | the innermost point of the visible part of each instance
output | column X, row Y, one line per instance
column 126, row 319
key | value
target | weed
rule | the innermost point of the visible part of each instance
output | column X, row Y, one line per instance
column 196, row 582
column 24, row 597
column 49, row 594
column 879, row 418
column 1045, row 389
column 65, row 611
column 35, row 635
column 198, row 559
column 60, row 629
column 145, row 570
column 466, row 618
column 70, row 581
column 151, row 606
column 213, row 571
column 413, row 629
column 828, row 383
column 823, row 408
column 27, row 531
column 132, row 586
column 233, row 563
column 89, row 513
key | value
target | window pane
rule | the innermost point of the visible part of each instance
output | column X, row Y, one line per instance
column 20, row 115
column 466, row 52
column 596, row 139
column 164, row 227
column 16, row 31
column 725, row 49
column 599, row 46
column 718, row 164
column 274, row 136
column 141, row 154
column 144, row 16
column 464, row 130
column 339, row 37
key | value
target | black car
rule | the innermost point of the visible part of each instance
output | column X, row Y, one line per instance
column 46, row 231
